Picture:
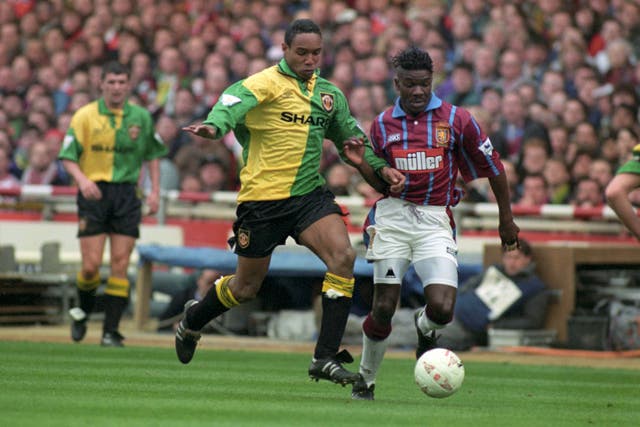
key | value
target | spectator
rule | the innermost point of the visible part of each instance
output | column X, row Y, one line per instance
column 42, row 168
column 534, row 156
column 588, row 194
column 601, row 171
column 517, row 127
column 7, row 179
column 558, row 181
column 213, row 175
column 339, row 177
column 535, row 191
column 508, row 295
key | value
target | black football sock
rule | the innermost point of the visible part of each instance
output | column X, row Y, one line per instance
column 205, row 311
column 113, row 308
column 87, row 300
column 335, row 312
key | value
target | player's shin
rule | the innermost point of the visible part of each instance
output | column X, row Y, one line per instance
column 374, row 345
column 218, row 300
column 336, row 304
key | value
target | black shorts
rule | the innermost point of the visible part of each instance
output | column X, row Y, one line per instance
column 119, row 211
column 261, row 226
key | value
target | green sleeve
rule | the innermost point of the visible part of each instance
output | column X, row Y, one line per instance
column 345, row 126
column 155, row 147
column 231, row 109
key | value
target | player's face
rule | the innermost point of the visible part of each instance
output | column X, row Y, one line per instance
column 303, row 56
column 514, row 262
column 115, row 88
column 414, row 88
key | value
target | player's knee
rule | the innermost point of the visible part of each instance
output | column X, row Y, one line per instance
column 244, row 290
column 342, row 259
column 440, row 310
column 383, row 311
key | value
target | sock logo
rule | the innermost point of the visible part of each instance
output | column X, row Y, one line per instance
column 390, row 274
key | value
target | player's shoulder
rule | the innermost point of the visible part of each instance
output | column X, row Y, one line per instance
column 324, row 85
column 87, row 110
column 264, row 77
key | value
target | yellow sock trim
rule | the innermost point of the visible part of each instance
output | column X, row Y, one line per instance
column 87, row 285
column 117, row 286
column 224, row 293
column 337, row 284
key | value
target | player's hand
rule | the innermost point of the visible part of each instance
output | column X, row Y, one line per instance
column 204, row 131
column 508, row 231
column 90, row 190
column 394, row 178
column 153, row 202
column 354, row 150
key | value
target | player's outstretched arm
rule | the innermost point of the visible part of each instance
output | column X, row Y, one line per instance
column 205, row 131
column 617, row 194
column 388, row 178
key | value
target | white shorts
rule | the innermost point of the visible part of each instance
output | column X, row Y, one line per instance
column 405, row 233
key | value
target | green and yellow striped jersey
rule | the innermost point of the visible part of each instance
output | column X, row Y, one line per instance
column 110, row 145
column 281, row 121
column 632, row 166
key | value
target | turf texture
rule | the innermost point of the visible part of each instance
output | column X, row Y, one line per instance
column 44, row 384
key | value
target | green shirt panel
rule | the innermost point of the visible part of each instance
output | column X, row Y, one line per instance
column 281, row 122
column 633, row 165
column 111, row 145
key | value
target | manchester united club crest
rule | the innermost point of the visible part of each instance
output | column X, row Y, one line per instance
column 82, row 224
column 243, row 238
column 327, row 101
column 443, row 134
column 134, row 131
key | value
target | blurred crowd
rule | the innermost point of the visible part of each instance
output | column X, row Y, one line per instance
column 555, row 84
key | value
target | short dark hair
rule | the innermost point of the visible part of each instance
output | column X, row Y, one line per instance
column 524, row 247
column 413, row 58
column 114, row 67
column 300, row 26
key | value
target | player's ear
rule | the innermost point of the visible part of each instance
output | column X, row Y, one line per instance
column 396, row 84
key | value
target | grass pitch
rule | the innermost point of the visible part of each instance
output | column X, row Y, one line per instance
column 43, row 384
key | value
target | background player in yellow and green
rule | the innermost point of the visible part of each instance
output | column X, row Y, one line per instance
column 104, row 149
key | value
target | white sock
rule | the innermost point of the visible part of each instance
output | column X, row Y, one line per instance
column 372, row 355
column 427, row 325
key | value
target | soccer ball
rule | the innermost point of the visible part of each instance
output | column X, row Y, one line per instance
column 439, row 372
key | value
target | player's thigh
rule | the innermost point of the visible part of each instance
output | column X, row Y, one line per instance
column 392, row 234
column 120, row 250
column 91, row 250
column 126, row 213
column 329, row 240
column 390, row 271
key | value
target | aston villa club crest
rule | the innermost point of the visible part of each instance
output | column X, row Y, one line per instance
column 327, row 101
column 243, row 238
column 134, row 131
column 443, row 134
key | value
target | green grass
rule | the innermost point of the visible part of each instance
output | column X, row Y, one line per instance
column 85, row 385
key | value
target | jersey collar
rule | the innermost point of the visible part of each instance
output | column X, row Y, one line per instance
column 103, row 109
column 434, row 103
column 283, row 68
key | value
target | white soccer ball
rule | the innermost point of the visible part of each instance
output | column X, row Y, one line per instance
column 439, row 372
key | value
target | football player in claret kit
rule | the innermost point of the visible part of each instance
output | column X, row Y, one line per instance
column 430, row 141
